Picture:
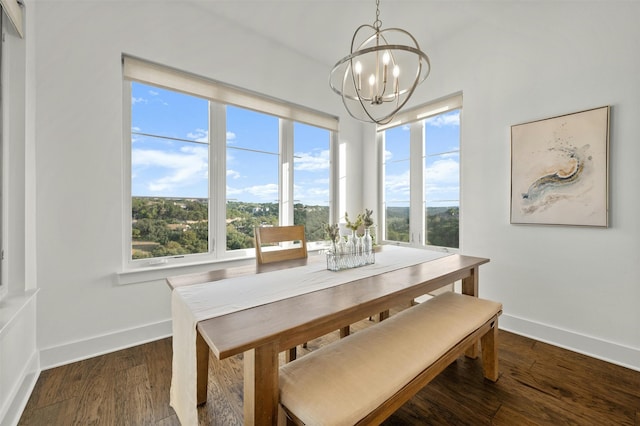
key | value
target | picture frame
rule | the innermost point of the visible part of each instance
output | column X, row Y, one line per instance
column 560, row 170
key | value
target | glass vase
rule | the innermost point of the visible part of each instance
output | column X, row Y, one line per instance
column 350, row 246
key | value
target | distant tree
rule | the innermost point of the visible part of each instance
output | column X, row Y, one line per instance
column 397, row 225
column 443, row 227
column 151, row 230
column 237, row 240
column 172, row 248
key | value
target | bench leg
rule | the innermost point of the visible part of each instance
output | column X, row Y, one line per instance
column 489, row 343
column 473, row 351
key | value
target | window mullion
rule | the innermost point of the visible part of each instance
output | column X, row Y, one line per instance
column 334, row 179
column 382, row 213
column 416, row 210
column 126, row 188
column 217, row 179
column 286, row 172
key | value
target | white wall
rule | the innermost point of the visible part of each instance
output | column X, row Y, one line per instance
column 572, row 286
column 523, row 61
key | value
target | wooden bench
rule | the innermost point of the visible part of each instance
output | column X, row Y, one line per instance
column 365, row 377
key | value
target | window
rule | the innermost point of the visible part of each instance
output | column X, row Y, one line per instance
column 169, row 173
column 442, row 179
column 253, row 158
column 311, row 177
column 421, row 175
column 396, row 184
column 209, row 162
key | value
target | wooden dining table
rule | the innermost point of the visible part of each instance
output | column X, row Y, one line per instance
column 261, row 332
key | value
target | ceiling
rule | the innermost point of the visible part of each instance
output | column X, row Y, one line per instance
column 322, row 29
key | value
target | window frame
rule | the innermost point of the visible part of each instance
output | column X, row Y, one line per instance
column 219, row 95
column 4, row 286
column 415, row 118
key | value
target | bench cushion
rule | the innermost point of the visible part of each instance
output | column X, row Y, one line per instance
column 341, row 383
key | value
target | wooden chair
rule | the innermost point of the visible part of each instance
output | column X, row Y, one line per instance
column 284, row 237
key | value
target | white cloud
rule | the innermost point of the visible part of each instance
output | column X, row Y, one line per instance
column 442, row 179
column 318, row 192
column 199, row 135
column 441, row 120
column 135, row 138
column 233, row 174
column 446, row 170
column 138, row 101
column 178, row 169
column 311, row 161
column 397, row 186
column 231, row 137
column 311, row 195
column 153, row 93
column 267, row 192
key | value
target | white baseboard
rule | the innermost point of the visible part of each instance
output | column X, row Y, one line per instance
column 100, row 345
column 607, row 351
column 21, row 395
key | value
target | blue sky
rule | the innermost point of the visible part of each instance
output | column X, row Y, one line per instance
column 178, row 165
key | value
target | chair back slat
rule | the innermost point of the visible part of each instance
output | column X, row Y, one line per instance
column 265, row 235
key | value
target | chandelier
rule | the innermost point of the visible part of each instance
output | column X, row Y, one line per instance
column 380, row 74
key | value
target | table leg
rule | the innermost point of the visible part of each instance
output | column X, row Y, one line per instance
column 470, row 283
column 470, row 287
column 345, row 331
column 202, row 368
column 261, row 385
column 291, row 354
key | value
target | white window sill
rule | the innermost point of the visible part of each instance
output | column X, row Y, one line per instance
column 164, row 270
column 11, row 306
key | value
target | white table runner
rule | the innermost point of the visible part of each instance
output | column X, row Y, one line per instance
column 198, row 302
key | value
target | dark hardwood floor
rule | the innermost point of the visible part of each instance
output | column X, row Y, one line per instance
column 539, row 385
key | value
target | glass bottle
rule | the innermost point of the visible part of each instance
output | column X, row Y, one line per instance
column 367, row 245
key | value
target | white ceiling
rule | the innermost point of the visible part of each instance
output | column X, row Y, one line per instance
column 322, row 29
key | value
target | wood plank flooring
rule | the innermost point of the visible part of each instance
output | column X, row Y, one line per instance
column 539, row 385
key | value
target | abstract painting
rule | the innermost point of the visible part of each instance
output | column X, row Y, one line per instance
column 559, row 170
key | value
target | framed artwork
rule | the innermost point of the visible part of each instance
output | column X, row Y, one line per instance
column 559, row 170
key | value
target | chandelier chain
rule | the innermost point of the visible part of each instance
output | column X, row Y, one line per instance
column 377, row 23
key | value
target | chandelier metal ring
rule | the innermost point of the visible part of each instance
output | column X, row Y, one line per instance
column 380, row 56
column 354, row 55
